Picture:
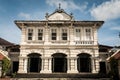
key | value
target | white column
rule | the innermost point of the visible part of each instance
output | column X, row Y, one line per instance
column 93, row 65
column 82, row 33
column 97, row 65
column 76, row 65
column 71, row 34
column 46, row 67
column 68, row 65
column 49, row 66
column 34, row 34
column 21, row 65
column 95, row 35
column 46, row 35
column 84, row 36
column 25, row 64
column 23, row 34
column 72, row 65
column 42, row 68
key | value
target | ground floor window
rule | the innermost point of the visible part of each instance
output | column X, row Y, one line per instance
column 84, row 62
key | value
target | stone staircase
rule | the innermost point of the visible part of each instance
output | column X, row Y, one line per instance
column 60, row 76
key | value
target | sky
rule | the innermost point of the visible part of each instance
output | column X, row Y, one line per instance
column 82, row 10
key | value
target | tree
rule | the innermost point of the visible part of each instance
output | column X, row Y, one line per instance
column 114, row 69
column 5, row 66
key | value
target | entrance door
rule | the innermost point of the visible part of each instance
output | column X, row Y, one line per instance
column 102, row 67
column 84, row 63
column 59, row 63
column 15, row 66
column 34, row 63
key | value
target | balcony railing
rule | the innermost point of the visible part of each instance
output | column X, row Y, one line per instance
column 84, row 42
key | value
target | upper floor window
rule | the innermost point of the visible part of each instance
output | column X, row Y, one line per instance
column 64, row 34
column 30, row 34
column 53, row 34
column 88, row 34
column 40, row 34
column 78, row 35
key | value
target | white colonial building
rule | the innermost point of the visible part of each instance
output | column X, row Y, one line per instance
column 59, row 44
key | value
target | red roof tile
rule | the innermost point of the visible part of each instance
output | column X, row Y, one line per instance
column 4, row 42
column 117, row 55
column 1, row 56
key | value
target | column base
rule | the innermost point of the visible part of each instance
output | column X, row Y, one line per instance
column 72, row 71
column 45, row 71
column 94, row 71
column 21, row 71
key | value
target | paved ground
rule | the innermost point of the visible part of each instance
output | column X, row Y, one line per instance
column 50, row 79
column 4, row 78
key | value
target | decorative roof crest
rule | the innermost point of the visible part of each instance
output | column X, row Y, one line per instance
column 59, row 9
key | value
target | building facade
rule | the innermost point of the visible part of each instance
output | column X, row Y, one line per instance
column 59, row 44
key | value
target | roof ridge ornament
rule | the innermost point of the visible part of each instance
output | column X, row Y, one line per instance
column 59, row 6
column 60, row 10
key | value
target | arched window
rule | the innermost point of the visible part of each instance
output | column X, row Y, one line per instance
column 34, row 62
column 84, row 62
column 59, row 62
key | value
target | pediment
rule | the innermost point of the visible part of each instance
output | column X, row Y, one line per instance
column 59, row 15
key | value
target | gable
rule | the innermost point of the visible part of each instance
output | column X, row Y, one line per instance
column 59, row 15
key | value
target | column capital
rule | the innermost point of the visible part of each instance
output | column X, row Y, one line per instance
column 23, row 57
column 72, row 57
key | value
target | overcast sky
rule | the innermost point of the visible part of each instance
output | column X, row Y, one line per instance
column 106, row 10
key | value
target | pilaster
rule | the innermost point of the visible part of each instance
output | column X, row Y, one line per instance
column 46, row 34
column 23, row 34
column 22, row 65
column 72, row 65
column 46, row 65
column 93, row 65
column 95, row 35
column 71, row 34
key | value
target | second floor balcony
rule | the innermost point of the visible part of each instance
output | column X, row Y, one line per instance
column 84, row 42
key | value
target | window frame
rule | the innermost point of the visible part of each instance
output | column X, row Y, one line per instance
column 64, row 31
column 51, row 34
column 88, row 33
column 78, row 38
column 40, row 31
column 32, row 34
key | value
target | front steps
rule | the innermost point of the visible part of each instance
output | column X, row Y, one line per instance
column 60, row 79
column 60, row 76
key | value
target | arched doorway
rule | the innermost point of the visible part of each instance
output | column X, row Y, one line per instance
column 34, row 62
column 84, row 62
column 59, row 62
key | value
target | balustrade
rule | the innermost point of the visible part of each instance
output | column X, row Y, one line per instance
column 84, row 42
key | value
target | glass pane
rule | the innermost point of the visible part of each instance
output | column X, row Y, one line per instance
column 39, row 38
column 53, row 34
column 53, row 38
column 64, row 36
column 29, row 38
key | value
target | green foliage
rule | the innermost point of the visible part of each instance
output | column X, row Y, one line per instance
column 5, row 66
column 114, row 69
